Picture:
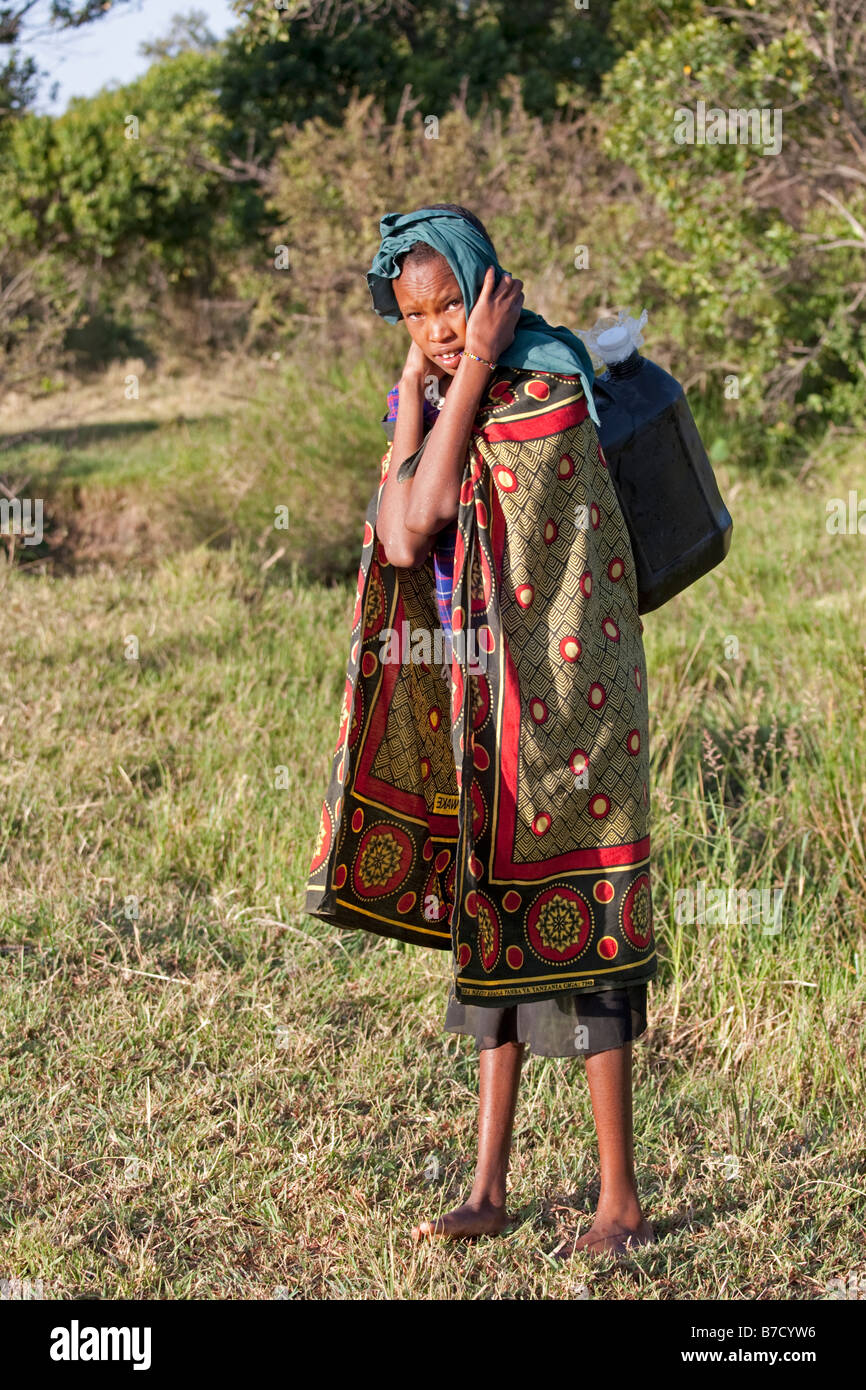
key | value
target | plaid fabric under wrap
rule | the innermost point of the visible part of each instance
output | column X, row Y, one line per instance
column 443, row 570
column 502, row 813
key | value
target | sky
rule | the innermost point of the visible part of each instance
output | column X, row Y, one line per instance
column 106, row 52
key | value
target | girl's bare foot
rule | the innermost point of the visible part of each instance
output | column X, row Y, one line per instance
column 605, row 1237
column 470, row 1219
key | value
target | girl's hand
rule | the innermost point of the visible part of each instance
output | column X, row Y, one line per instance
column 491, row 325
column 418, row 366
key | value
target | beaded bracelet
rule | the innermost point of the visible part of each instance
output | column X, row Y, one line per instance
column 476, row 358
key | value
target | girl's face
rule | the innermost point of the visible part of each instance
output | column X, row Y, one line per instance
column 433, row 310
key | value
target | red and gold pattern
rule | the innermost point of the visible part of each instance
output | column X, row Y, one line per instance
column 502, row 813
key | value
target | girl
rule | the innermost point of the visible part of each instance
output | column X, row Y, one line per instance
column 489, row 792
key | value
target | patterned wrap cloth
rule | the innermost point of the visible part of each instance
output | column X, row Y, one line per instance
column 502, row 813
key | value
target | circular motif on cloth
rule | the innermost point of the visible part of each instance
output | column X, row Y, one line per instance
column 594, row 515
column 355, row 645
column 538, row 389
column 501, row 391
column 637, row 676
column 596, row 695
column 442, row 859
column 607, row 947
column 480, row 756
column 599, row 806
column 382, row 554
column 383, row 860
column 457, row 617
column 632, row 741
column 541, row 824
column 601, row 458
column 427, row 851
column 323, row 843
column 616, row 569
column 514, row 957
column 524, row 593
column 476, row 868
column 610, row 629
column 435, row 908
column 558, row 925
column 481, row 513
column 551, row 531
column 511, row 902
column 358, row 821
column 603, row 891
column 484, row 639
column 434, row 717
column 538, row 709
column 406, row 902
column 566, row 466
column 369, row 533
column 479, row 809
column 636, row 913
column 466, row 491
column 340, row 876
column 504, row 479
column 425, row 769
column 368, row 664
column 464, row 955
column 578, row 762
column 570, row 647
column 489, row 934
column 586, row 583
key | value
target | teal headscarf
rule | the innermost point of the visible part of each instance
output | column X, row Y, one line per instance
column 537, row 346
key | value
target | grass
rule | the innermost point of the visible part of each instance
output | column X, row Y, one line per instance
column 136, row 481
column 206, row 1094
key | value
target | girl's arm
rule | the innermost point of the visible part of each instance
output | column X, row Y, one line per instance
column 402, row 549
column 413, row 511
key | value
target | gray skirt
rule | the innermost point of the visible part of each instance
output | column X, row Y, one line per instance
column 570, row 1025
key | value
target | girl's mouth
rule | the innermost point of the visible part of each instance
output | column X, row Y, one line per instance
column 449, row 359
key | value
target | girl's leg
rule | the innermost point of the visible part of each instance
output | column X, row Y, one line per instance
column 619, row 1221
column 484, row 1213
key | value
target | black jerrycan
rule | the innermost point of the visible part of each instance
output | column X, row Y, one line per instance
column 679, row 526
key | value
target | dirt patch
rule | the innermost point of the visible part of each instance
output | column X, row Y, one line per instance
column 85, row 528
column 160, row 397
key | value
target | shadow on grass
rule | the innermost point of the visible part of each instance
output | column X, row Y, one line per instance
column 76, row 436
column 82, row 436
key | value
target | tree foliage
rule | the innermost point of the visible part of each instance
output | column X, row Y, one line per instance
column 19, row 75
column 316, row 116
column 304, row 60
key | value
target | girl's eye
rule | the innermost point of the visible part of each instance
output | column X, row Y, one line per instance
column 456, row 303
